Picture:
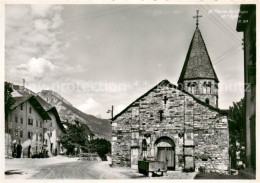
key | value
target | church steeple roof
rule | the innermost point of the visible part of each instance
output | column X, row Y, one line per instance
column 197, row 64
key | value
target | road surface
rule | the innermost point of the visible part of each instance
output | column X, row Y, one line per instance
column 61, row 167
column 80, row 170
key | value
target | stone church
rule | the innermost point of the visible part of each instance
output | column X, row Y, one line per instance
column 180, row 125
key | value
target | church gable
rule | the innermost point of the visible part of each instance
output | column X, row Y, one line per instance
column 156, row 92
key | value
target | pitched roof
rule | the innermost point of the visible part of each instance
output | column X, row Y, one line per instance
column 54, row 111
column 34, row 102
column 49, row 108
column 169, row 84
column 19, row 100
column 197, row 64
column 44, row 104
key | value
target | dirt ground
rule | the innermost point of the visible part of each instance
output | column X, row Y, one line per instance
column 61, row 167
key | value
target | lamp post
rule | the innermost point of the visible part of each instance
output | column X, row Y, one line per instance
column 111, row 111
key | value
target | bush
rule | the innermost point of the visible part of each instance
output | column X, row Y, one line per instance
column 102, row 147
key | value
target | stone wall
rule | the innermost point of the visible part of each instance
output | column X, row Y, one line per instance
column 195, row 129
column 201, row 93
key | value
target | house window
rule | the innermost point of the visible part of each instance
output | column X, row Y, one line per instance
column 21, row 107
column 193, row 88
column 41, row 124
column 189, row 87
column 151, row 114
column 51, row 124
column 36, row 136
column 204, row 88
column 161, row 115
column 21, row 119
column 207, row 101
column 30, row 134
column 16, row 119
column 21, row 133
column 30, row 110
column 209, row 88
column 36, row 149
column 30, row 121
column 36, row 123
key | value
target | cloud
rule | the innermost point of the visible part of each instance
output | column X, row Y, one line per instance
column 40, row 10
column 119, row 108
column 56, row 21
column 41, row 24
column 90, row 106
column 36, row 67
column 32, row 42
column 16, row 12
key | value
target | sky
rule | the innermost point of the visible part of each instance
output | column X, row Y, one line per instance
column 97, row 56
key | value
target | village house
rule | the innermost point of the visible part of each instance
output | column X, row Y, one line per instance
column 53, row 129
column 25, row 125
column 247, row 24
column 180, row 125
column 33, row 127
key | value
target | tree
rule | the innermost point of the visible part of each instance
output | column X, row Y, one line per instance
column 102, row 147
column 9, row 100
column 74, row 137
column 237, row 131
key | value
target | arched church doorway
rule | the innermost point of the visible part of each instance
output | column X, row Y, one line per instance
column 165, row 151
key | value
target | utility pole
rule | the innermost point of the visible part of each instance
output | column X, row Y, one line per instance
column 111, row 111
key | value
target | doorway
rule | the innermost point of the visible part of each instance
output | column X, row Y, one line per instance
column 166, row 154
column 165, row 151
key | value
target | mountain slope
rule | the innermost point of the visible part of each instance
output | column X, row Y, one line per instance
column 100, row 127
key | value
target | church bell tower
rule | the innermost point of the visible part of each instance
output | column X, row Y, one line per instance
column 198, row 76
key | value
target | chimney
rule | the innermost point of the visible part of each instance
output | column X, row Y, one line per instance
column 23, row 83
column 12, row 85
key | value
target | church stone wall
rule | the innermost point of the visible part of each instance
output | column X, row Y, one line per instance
column 200, row 134
column 200, row 91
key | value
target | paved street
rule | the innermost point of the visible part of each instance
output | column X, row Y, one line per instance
column 72, row 168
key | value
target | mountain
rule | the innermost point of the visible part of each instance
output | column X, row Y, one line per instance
column 100, row 127
column 49, row 93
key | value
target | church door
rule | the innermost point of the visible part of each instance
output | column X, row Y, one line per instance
column 166, row 154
